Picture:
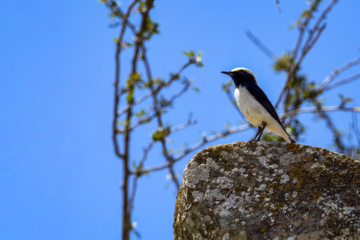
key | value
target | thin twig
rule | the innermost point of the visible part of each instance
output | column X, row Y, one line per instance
column 234, row 130
column 278, row 5
column 137, row 175
column 355, row 126
column 302, row 28
column 316, row 27
column 335, row 73
column 182, row 126
column 342, row 82
column 181, row 92
column 126, row 215
column 199, row 145
column 316, row 109
column 140, row 122
column 117, row 79
column 260, row 45
column 135, row 102
column 310, row 44
column 158, row 115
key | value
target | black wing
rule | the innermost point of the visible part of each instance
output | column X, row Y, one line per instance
column 261, row 97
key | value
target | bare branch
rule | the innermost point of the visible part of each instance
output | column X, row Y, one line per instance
column 278, row 5
column 149, row 118
column 116, row 11
column 322, row 109
column 335, row 73
column 140, row 122
column 204, row 141
column 181, row 92
column 302, row 27
column 260, row 45
column 355, row 126
column 310, row 44
column 312, row 38
column 155, row 91
column 117, row 76
column 158, row 115
column 126, row 214
column 176, row 75
column 182, row 126
column 280, row 97
column 137, row 175
column 317, row 27
column 342, row 82
column 247, row 126
column 135, row 102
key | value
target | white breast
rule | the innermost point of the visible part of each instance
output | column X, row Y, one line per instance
column 255, row 113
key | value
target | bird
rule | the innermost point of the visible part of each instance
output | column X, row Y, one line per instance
column 255, row 105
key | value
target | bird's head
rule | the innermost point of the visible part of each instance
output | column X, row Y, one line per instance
column 241, row 76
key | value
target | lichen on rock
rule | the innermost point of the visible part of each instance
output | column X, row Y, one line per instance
column 269, row 191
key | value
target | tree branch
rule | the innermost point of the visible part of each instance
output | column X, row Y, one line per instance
column 199, row 145
column 233, row 130
column 316, row 109
column 260, row 45
column 137, row 174
column 158, row 114
column 335, row 73
column 312, row 38
column 342, row 82
column 135, row 102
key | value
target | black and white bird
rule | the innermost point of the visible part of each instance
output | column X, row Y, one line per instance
column 255, row 105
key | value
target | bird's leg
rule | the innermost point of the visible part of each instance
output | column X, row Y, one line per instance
column 261, row 130
column 257, row 134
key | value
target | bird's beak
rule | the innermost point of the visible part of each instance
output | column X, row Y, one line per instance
column 227, row 73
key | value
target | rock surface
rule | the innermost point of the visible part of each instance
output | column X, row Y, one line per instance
column 269, row 191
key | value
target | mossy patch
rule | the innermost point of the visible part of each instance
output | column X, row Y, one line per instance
column 269, row 190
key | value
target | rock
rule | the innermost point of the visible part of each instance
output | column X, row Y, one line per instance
column 268, row 191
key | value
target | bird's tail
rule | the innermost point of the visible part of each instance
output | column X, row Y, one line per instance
column 291, row 140
column 287, row 137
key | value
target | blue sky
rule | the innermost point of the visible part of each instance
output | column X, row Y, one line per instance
column 59, row 178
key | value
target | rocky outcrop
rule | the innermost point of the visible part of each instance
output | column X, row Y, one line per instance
column 269, row 191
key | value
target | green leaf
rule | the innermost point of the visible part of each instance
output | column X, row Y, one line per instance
column 292, row 26
column 157, row 135
column 306, row 14
column 122, row 123
column 199, row 64
column 189, row 54
column 196, row 89
column 271, row 137
column 135, row 76
column 142, row 6
column 130, row 96
column 141, row 113
column 226, row 86
column 126, row 44
column 164, row 102
column 283, row 63
column 133, row 163
column 175, row 76
column 161, row 133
